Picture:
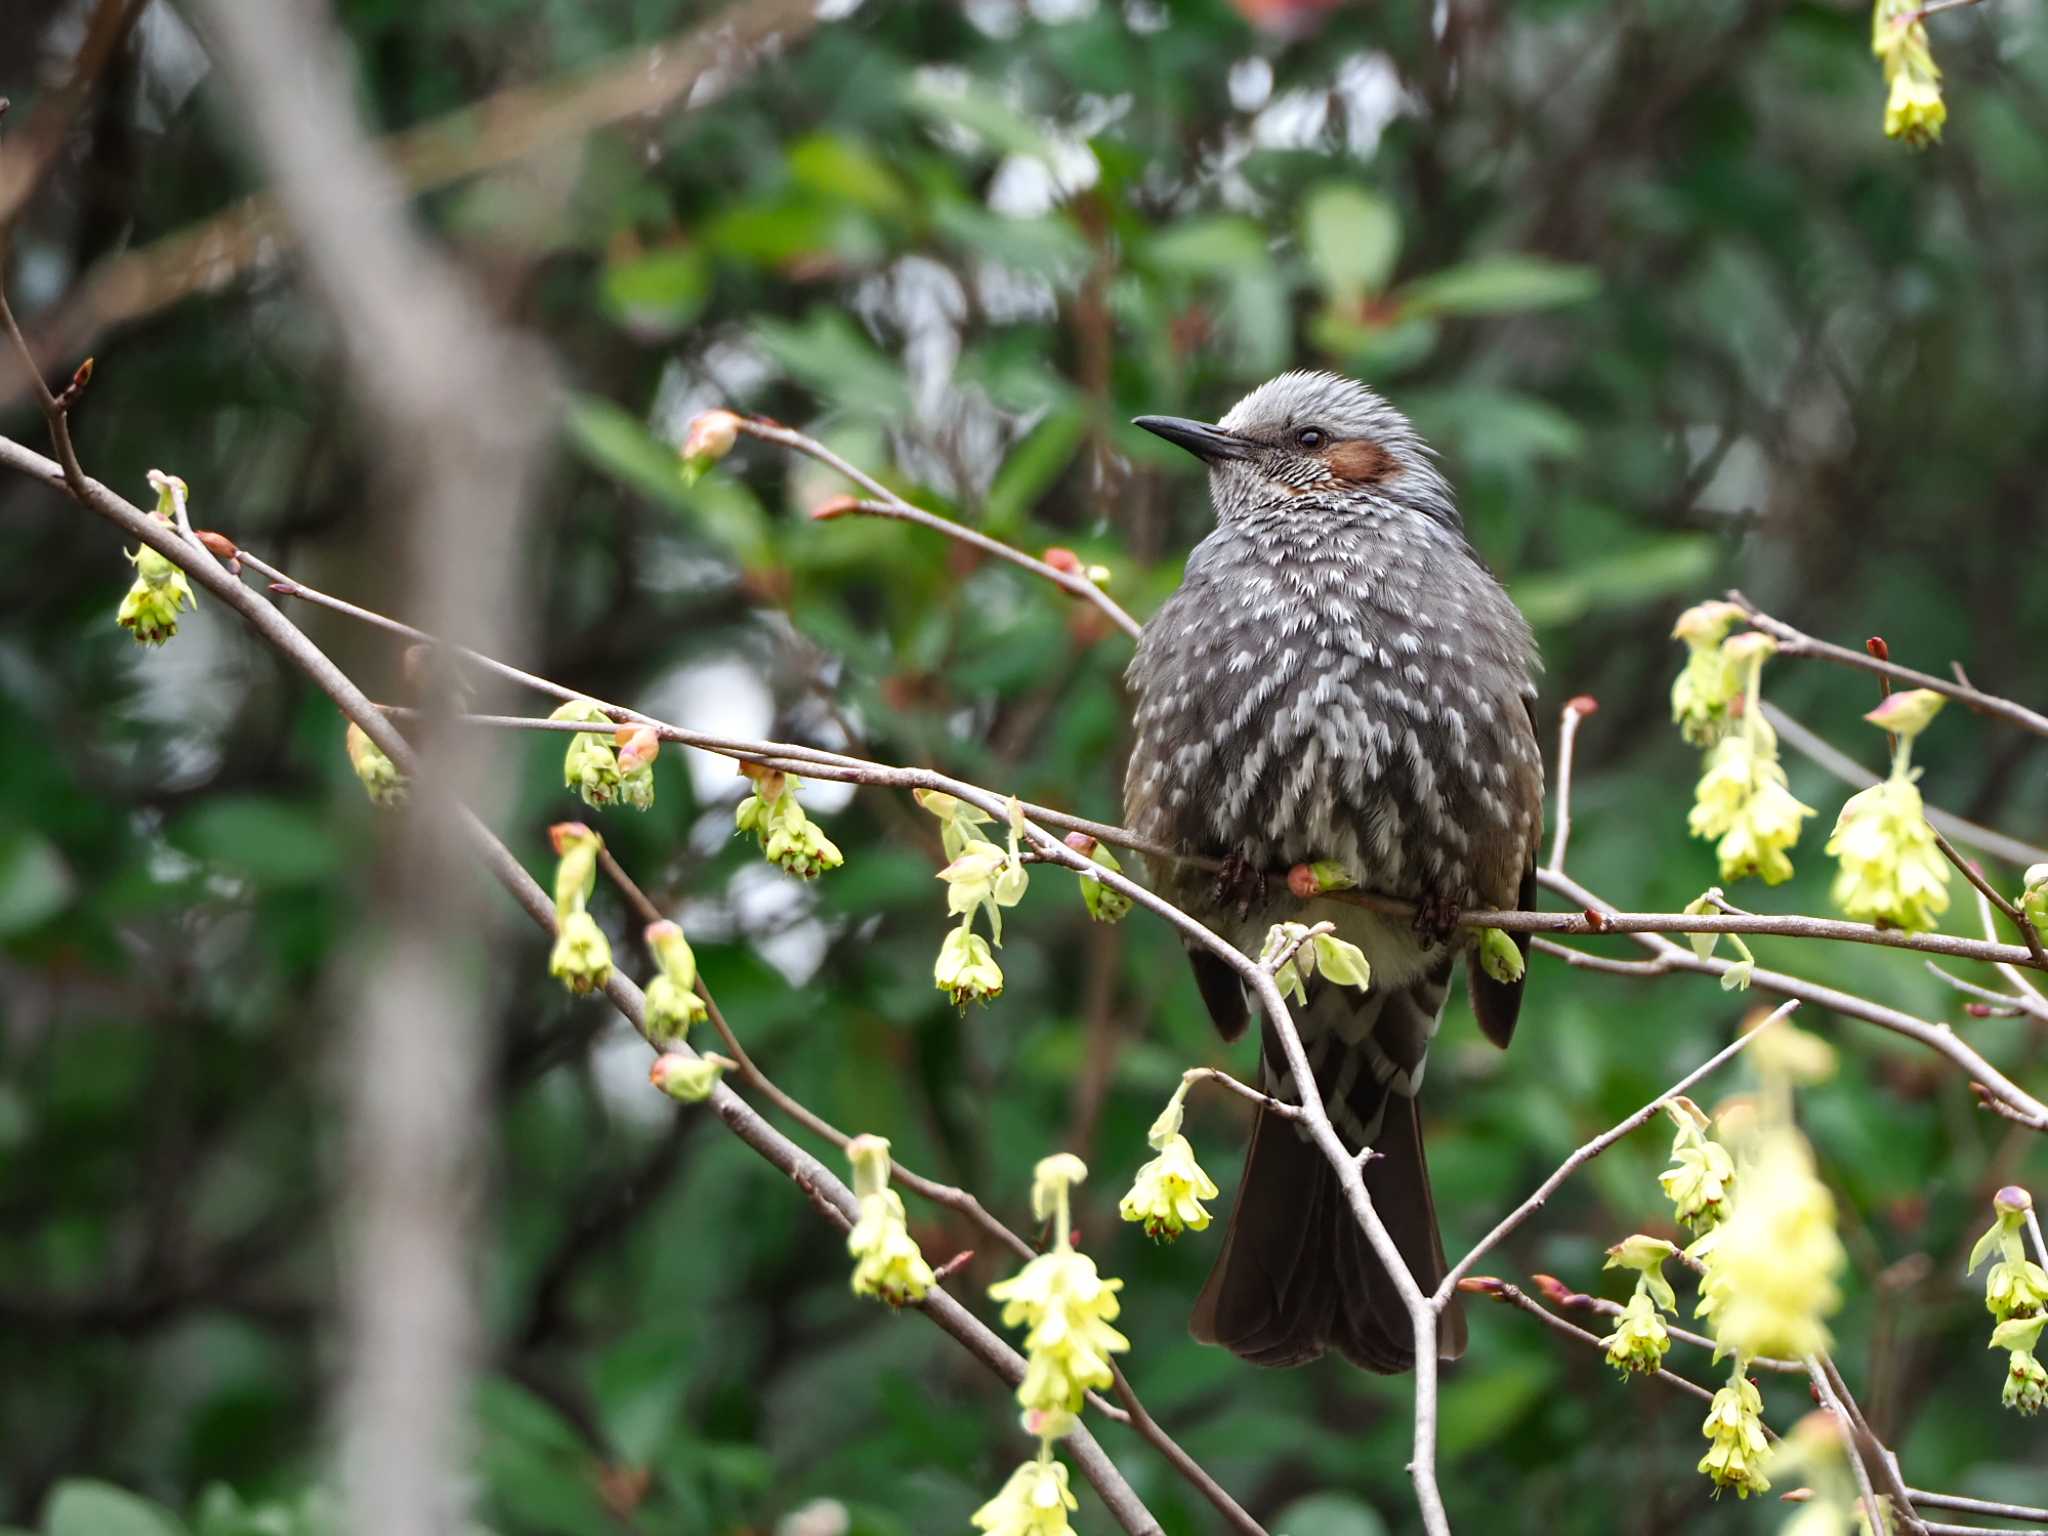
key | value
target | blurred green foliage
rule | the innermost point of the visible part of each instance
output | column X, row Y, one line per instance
column 1675, row 314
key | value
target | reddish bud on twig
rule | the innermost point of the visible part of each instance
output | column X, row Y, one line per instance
column 563, row 834
column 1555, row 1291
column 637, row 746
column 1063, row 560
column 284, row 588
column 76, row 387
column 1583, row 704
column 219, row 543
column 1979, row 1010
column 1302, row 882
column 1484, row 1285
column 1876, row 646
column 834, row 506
column 954, row 1265
column 1081, row 843
column 1595, row 919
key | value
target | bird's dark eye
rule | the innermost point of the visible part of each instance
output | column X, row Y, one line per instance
column 1310, row 437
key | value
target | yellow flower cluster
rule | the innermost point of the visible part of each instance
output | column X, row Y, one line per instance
column 379, row 776
column 2016, row 1295
column 1893, row 873
column 1709, row 683
column 1771, row 1266
column 582, row 956
column 672, row 1001
column 1701, row 1170
column 888, row 1264
column 687, row 1078
column 160, row 591
column 1640, row 1340
column 1066, row 1306
column 615, row 767
column 979, row 875
column 1913, row 109
column 1103, row 904
column 787, row 836
column 1741, row 804
column 1034, row 1502
column 1736, row 1448
column 1167, row 1196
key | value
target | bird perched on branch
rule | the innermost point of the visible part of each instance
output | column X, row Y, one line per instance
column 1338, row 677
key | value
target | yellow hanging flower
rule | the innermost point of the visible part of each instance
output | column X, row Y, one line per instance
column 1701, row 1170
column 2026, row 1380
column 1064, row 1303
column 1743, row 805
column 1034, row 1502
column 672, row 1001
column 1914, row 111
column 1736, row 1448
column 888, row 1264
column 2015, row 1286
column 688, row 1079
column 1893, row 873
column 1709, row 682
column 582, row 957
column 379, row 776
column 1772, row 1265
column 787, row 836
column 966, row 969
column 1640, row 1340
column 1103, row 904
column 159, row 592
column 1168, row 1193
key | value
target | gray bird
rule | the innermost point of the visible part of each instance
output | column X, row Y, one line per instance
column 1338, row 677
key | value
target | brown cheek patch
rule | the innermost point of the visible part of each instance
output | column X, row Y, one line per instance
column 1358, row 462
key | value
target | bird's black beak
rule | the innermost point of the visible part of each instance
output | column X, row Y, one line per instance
column 1210, row 444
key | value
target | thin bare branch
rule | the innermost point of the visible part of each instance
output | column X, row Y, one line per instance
column 1794, row 642
column 1592, row 1149
column 883, row 502
column 1957, row 1501
column 1824, row 1391
column 1574, row 711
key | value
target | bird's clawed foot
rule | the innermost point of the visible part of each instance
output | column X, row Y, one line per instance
column 1436, row 919
column 1240, row 885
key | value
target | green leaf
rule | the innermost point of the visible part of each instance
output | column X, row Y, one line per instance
column 35, row 882
column 1677, row 563
column 1329, row 1514
column 1497, row 285
column 100, row 1509
column 829, row 354
column 1352, row 238
column 621, row 446
column 1221, row 246
column 273, row 842
column 981, row 112
column 660, row 293
column 836, row 167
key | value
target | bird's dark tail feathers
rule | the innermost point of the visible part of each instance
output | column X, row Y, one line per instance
column 1297, row 1275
